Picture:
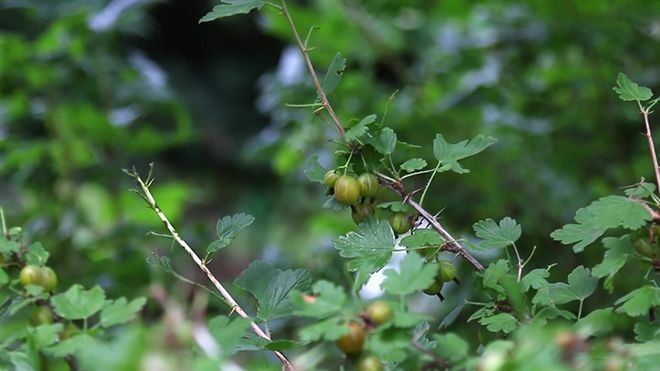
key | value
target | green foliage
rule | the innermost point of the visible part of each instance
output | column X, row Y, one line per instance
column 120, row 311
column 78, row 303
column 628, row 90
column 449, row 154
column 369, row 248
column 497, row 236
column 227, row 229
column 413, row 276
column 593, row 220
column 333, row 74
column 64, row 84
column 232, row 7
column 271, row 287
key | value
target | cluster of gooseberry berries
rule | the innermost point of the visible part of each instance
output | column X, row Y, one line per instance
column 376, row 313
column 360, row 193
column 446, row 273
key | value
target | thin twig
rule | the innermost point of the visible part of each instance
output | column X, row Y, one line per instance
column 649, row 137
column 451, row 245
column 175, row 235
column 310, row 67
column 520, row 263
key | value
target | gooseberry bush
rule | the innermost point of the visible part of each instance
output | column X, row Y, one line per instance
column 526, row 320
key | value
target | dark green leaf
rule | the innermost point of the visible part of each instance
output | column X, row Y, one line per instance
column 535, row 278
column 595, row 219
column 227, row 229
column 228, row 332
column 271, row 287
column 314, row 171
column 369, row 248
column 449, row 154
column 639, row 301
column 384, row 142
column 493, row 273
column 647, row 331
column 582, row 283
column 359, row 129
column 616, row 255
column 232, row 7
column 333, row 76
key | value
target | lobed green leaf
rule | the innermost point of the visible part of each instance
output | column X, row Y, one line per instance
column 232, row 7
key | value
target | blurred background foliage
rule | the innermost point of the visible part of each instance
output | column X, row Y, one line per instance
column 89, row 87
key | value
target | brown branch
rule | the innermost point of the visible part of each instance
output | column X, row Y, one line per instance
column 649, row 137
column 149, row 198
column 310, row 67
column 452, row 245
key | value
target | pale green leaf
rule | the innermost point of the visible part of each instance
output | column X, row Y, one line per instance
column 121, row 311
column 329, row 329
column 414, row 275
column 413, row 164
column 78, row 303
